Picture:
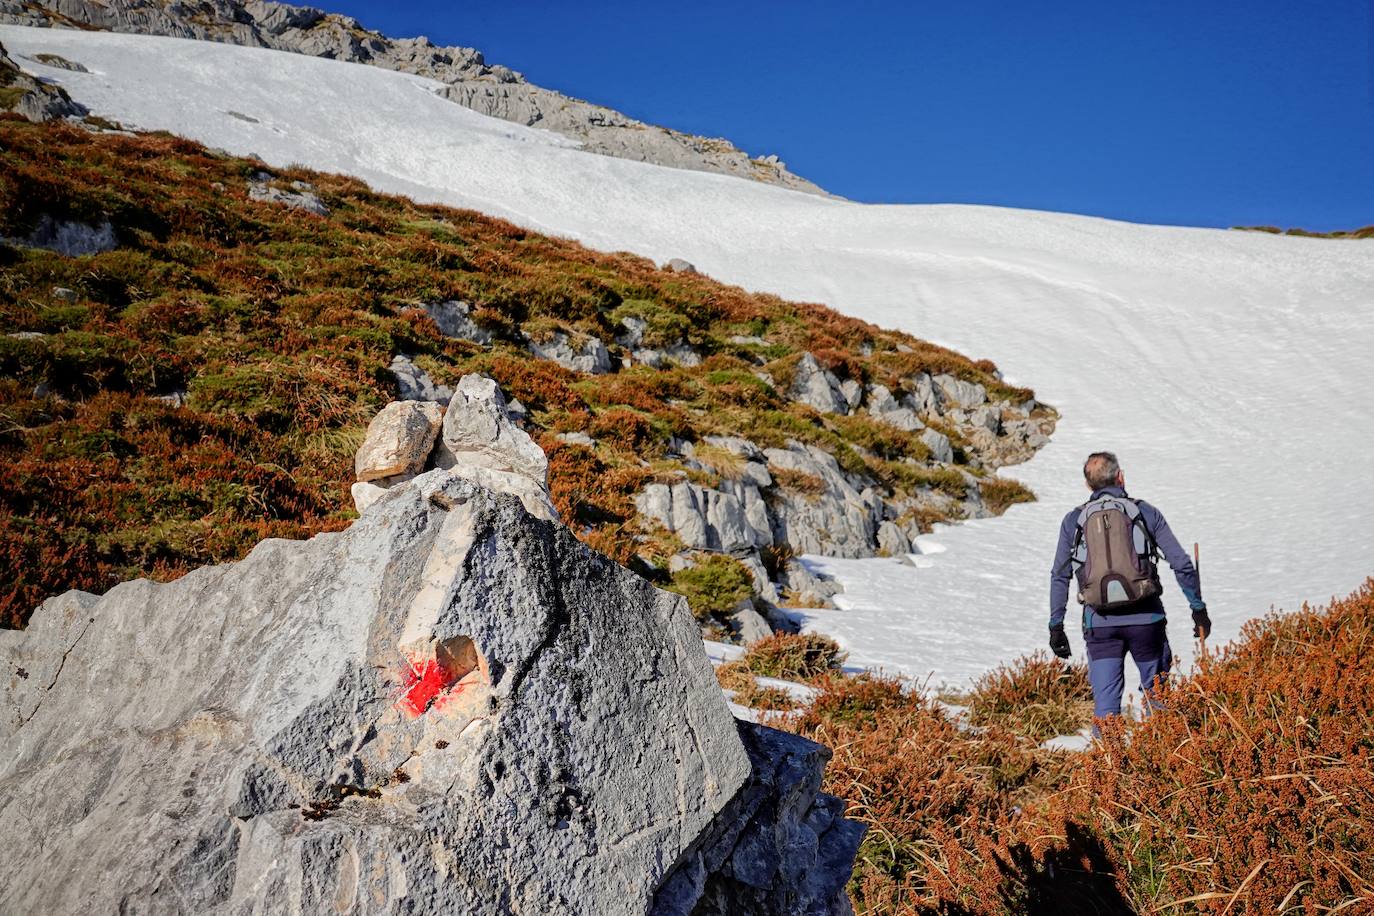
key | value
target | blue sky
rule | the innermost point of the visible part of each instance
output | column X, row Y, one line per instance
column 1208, row 114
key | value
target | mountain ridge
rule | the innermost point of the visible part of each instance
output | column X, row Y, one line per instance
column 490, row 89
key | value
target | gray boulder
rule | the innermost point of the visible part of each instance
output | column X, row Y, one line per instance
column 748, row 624
column 678, row 265
column 454, row 319
column 817, row 387
column 940, row 448
column 678, row 354
column 805, row 587
column 956, row 392
column 892, row 540
column 301, row 196
column 885, row 407
column 708, row 519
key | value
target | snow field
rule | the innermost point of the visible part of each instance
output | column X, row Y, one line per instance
column 1230, row 371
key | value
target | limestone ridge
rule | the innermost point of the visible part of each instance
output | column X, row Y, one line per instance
column 490, row 89
column 452, row 706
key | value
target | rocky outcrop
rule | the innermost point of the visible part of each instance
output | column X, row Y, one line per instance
column 800, row 500
column 413, row 383
column 470, row 81
column 299, row 196
column 588, row 356
column 452, row 706
column 837, row 516
column 69, row 237
column 454, row 319
column 25, row 95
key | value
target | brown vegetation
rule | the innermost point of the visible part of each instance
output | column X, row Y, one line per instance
column 1251, row 791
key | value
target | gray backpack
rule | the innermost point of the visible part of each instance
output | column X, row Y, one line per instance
column 1114, row 554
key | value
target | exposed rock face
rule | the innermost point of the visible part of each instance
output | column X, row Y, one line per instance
column 781, row 847
column 590, row 356
column 414, row 383
column 453, row 706
column 807, row 503
column 487, row 88
column 818, row 387
column 23, row 94
column 70, row 237
column 839, row 520
column 709, row 519
column 453, row 319
column 959, row 393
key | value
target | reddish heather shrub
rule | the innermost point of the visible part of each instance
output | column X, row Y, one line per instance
column 1250, row 791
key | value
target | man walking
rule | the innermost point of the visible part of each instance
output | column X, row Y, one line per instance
column 1110, row 543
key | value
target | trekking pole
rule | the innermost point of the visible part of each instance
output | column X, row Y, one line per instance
column 1197, row 567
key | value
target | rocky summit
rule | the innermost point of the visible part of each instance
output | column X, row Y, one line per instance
column 490, row 89
column 453, row 706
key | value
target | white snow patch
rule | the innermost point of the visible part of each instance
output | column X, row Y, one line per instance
column 1230, row 371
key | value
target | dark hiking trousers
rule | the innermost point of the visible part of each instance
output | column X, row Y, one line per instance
column 1107, row 647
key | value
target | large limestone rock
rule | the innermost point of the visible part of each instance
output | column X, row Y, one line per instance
column 782, row 846
column 399, row 440
column 840, row 519
column 454, row 319
column 709, row 519
column 590, row 356
column 959, row 393
column 452, row 707
column 413, row 383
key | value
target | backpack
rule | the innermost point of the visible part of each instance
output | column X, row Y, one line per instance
column 1114, row 554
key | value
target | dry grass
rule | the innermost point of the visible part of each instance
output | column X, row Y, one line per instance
column 740, row 681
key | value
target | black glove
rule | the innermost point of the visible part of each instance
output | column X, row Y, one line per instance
column 1059, row 641
column 1202, row 624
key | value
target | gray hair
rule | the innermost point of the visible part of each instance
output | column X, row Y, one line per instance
column 1101, row 469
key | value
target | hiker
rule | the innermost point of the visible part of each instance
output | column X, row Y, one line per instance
column 1111, row 543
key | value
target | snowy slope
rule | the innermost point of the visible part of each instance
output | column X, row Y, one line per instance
column 1231, row 371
